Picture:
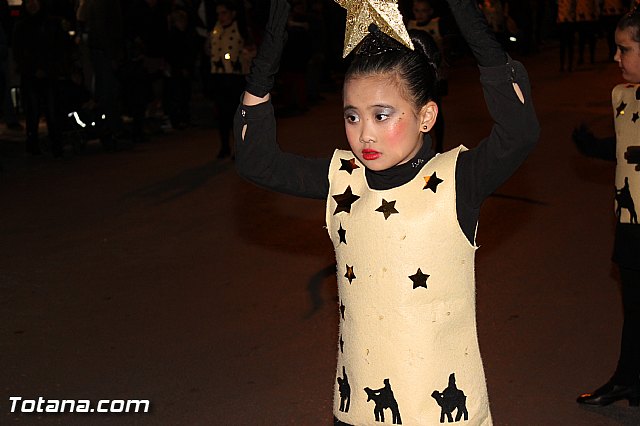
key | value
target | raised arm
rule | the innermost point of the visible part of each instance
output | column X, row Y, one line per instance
column 505, row 82
column 507, row 93
column 258, row 156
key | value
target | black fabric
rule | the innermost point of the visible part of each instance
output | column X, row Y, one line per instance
column 628, row 368
column 476, row 32
column 480, row 171
column 266, row 63
column 626, row 247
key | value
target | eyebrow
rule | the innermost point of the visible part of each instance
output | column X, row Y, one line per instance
column 348, row 107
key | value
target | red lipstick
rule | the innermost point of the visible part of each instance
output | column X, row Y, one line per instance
column 370, row 154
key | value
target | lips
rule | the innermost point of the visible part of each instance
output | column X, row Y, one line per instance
column 370, row 154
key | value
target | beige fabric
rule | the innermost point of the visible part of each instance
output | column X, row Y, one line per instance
column 414, row 337
column 228, row 53
column 627, row 134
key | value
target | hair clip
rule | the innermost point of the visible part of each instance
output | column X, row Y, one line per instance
column 377, row 43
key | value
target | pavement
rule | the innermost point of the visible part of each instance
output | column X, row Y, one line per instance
column 156, row 273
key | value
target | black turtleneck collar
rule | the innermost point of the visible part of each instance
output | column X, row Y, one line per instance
column 403, row 173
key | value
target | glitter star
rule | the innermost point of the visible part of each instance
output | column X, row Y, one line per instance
column 419, row 279
column 620, row 109
column 350, row 275
column 342, row 233
column 345, row 200
column 432, row 182
column 349, row 165
column 384, row 13
column 387, row 208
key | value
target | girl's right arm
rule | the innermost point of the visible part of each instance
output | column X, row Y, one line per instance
column 258, row 156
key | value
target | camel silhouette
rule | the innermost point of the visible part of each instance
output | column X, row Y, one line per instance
column 383, row 399
column 345, row 391
column 624, row 200
column 451, row 399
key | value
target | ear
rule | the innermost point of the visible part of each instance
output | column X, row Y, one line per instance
column 427, row 116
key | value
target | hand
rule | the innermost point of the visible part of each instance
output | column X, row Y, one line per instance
column 584, row 139
column 266, row 63
column 591, row 146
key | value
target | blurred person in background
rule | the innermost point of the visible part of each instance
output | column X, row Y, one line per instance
column 587, row 19
column 231, row 54
column 181, row 56
column 41, row 52
column 566, row 21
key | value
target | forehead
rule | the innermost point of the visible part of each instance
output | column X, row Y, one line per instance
column 365, row 91
column 625, row 35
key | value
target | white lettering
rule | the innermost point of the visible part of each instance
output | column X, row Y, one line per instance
column 67, row 402
column 28, row 406
column 53, row 406
column 138, row 402
column 42, row 405
column 101, row 404
column 117, row 406
column 83, row 406
column 13, row 400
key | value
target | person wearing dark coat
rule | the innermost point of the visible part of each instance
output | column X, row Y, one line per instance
column 41, row 50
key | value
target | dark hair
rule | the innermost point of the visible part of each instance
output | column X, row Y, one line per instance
column 417, row 69
column 631, row 20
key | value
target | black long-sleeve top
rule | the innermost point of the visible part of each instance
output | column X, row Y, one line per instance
column 479, row 171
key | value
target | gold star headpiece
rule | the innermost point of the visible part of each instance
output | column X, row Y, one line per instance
column 384, row 13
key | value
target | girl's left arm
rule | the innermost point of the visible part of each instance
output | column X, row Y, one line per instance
column 514, row 134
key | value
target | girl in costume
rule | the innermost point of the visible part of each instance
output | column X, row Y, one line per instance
column 624, row 384
column 401, row 218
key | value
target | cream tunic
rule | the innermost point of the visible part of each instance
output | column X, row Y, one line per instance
column 626, row 112
column 408, row 351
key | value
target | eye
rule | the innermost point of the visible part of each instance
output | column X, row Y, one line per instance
column 351, row 118
column 381, row 116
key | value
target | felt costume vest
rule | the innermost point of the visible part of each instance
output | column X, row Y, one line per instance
column 408, row 350
column 227, row 50
column 626, row 110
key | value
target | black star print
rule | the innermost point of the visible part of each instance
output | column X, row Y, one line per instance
column 345, row 200
column 343, row 234
column 387, row 208
column 341, row 345
column 638, row 94
column 432, row 182
column 348, row 165
column 350, row 275
column 635, row 117
column 342, row 308
column 620, row 109
column 419, row 279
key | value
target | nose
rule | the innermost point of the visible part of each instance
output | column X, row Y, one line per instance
column 366, row 132
column 616, row 57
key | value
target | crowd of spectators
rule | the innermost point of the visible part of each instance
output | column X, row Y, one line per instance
column 118, row 65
